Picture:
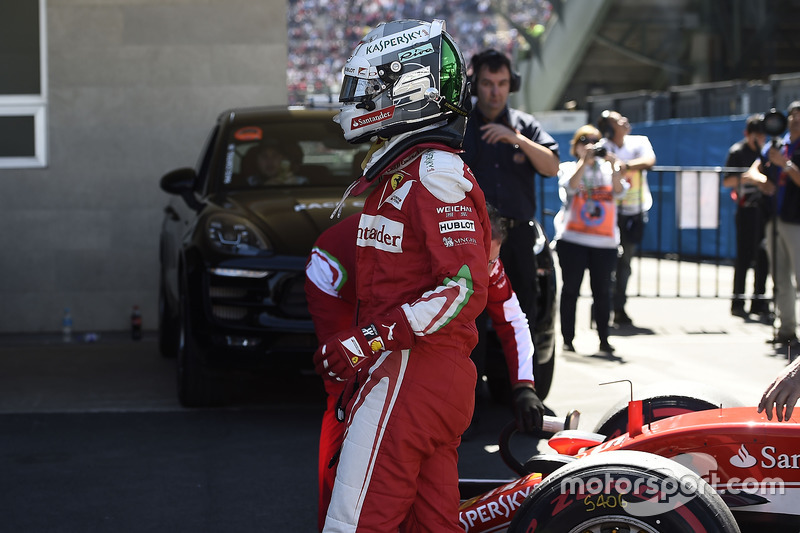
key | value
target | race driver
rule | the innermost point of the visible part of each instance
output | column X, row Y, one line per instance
column 421, row 277
column 330, row 293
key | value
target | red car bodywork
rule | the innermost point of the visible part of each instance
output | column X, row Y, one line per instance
column 736, row 450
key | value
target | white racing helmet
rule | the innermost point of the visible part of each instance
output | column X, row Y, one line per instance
column 403, row 76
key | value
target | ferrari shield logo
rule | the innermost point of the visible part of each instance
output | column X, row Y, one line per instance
column 396, row 180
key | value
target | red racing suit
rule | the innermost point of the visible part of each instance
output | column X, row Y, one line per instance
column 422, row 240
column 511, row 325
column 330, row 292
column 331, row 295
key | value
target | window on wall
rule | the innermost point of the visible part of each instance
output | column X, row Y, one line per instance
column 23, row 84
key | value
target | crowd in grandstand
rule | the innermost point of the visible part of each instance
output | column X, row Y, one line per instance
column 323, row 32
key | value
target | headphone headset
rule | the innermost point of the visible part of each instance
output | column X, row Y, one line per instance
column 478, row 60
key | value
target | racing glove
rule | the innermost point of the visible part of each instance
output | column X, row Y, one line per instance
column 342, row 355
column 528, row 409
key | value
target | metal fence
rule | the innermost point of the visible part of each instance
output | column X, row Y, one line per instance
column 734, row 97
column 690, row 239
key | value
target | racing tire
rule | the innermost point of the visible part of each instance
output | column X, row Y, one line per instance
column 168, row 325
column 664, row 400
column 195, row 387
column 623, row 490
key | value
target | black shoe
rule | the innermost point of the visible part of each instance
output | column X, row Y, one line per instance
column 621, row 318
column 766, row 318
column 605, row 347
column 739, row 311
column 759, row 307
column 783, row 339
column 568, row 347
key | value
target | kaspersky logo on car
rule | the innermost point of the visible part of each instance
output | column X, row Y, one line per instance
column 372, row 118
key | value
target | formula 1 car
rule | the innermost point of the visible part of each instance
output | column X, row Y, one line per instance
column 668, row 462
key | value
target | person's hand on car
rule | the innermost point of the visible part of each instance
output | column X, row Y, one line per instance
column 782, row 394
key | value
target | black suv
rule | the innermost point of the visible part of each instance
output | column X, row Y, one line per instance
column 234, row 242
column 235, row 238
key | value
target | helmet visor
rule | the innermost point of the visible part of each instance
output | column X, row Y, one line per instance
column 354, row 89
column 451, row 75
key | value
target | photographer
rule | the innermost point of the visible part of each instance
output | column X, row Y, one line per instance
column 777, row 170
column 635, row 155
column 752, row 212
column 587, row 234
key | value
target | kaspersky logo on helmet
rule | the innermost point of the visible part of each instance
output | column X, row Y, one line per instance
column 372, row 118
column 384, row 45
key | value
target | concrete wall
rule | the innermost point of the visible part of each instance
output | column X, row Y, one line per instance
column 134, row 87
column 563, row 47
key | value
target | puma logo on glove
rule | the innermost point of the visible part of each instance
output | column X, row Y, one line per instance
column 390, row 335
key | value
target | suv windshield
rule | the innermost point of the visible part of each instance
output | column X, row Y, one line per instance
column 297, row 153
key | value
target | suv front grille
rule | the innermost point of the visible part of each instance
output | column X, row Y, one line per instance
column 226, row 292
column 244, row 302
column 228, row 312
column 293, row 298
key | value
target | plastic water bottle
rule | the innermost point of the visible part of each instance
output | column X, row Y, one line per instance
column 136, row 323
column 66, row 326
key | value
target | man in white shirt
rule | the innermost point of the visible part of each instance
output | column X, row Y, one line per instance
column 635, row 155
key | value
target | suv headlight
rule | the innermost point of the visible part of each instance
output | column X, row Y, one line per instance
column 234, row 235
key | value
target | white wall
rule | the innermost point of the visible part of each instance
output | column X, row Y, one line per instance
column 134, row 88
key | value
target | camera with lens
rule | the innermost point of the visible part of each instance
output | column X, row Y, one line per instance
column 774, row 124
column 600, row 149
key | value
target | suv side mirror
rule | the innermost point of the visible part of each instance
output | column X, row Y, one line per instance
column 178, row 181
column 181, row 182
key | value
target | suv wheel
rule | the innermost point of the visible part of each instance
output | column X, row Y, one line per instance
column 195, row 387
column 168, row 325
